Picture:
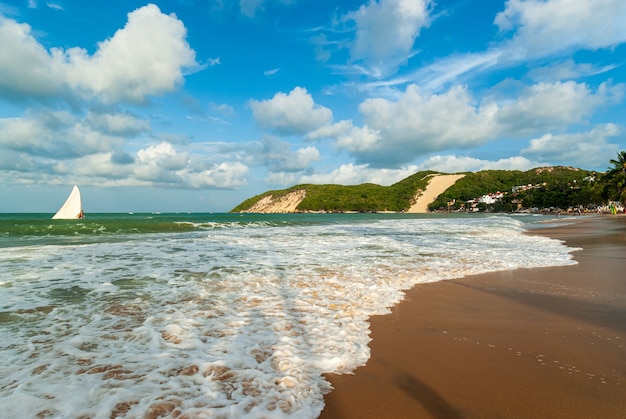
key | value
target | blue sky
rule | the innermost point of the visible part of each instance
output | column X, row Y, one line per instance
column 196, row 105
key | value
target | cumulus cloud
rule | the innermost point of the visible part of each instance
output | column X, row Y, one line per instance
column 545, row 27
column 58, row 134
column 51, row 145
column 25, row 66
column 351, row 174
column 121, row 124
column 583, row 149
column 163, row 165
column 292, row 113
column 159, row 165
column 396, row 132
column 386, row 31
column 147, row 57
column 144, row 58
column 455, row 164
column 278, row 156
column 546, row 106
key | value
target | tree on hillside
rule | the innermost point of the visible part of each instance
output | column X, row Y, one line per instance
column 615, row 179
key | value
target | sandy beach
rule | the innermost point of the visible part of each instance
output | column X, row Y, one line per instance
column 529, row 343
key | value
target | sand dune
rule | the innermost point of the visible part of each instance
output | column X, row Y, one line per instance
column 286, row 203
column 436, row 186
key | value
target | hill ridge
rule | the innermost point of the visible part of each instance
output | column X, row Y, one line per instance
column 430, row 190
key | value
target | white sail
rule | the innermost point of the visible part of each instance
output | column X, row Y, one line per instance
column 72, row 208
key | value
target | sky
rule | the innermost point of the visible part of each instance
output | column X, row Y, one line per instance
column 197, row 105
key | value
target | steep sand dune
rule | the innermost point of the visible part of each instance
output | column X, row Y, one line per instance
column 286, row 203
column 436, row 186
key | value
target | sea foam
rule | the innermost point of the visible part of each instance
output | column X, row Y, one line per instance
column 224, row 320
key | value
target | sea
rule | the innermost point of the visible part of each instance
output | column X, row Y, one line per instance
column 219, row 315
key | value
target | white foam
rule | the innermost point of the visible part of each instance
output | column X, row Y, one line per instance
column 230, row 321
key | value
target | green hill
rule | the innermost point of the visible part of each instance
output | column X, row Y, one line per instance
column 551, row 187
column 364, row 197
column 560, row 187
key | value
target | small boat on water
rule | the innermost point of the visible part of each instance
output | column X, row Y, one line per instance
column 72, row 208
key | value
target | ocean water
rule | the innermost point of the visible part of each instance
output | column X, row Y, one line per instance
column 218, row 315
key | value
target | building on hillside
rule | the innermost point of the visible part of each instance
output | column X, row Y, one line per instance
column 491, row 198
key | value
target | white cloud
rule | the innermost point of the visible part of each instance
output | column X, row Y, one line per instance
column 282, row 178
column 454, row 164
column 118, row 124
column 145, row 58
column 531, row 30
column 331, row 131
column 15, row 162
column 303, row 157
column 398, row 131
column 360, row 139
column 292, row 113
column 452, row 69
column 386, row 32
column 57, row 134
column 25, row 65
column 584, row 149
column 546, row 27
column 567, row 70
column 225, row 175
column 54, row 6
column 158, row 165
column 349, row 174
column 164, row 156
column 212, row 62
column 53, row 145
column 271, row 73
column 546, row 106
column 278, row 156
column 223, row 109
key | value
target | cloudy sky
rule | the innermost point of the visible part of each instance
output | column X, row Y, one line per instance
column 196, row 105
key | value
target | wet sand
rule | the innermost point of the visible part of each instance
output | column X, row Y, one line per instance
column 529, row 343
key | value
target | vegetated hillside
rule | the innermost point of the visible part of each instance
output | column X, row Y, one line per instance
column 552, row 187
column 365, row 197
column 560, row 187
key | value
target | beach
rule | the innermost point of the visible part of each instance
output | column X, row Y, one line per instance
column 525, row 343
column 229, row 315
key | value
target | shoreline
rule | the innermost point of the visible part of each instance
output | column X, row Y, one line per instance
column 528, row 343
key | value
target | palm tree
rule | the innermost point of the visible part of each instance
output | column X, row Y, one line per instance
column 620, row 163
column 615, row 179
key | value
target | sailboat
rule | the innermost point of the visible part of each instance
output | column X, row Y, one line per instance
column 72, row 208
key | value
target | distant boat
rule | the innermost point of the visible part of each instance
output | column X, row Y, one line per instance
column 72, row 209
